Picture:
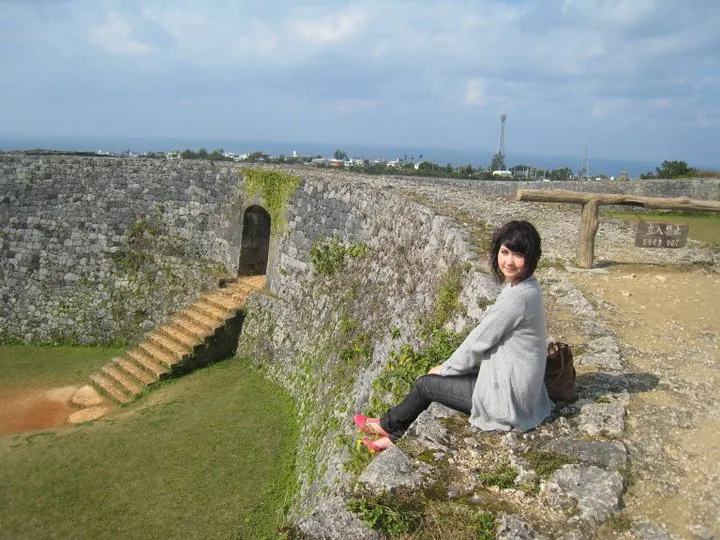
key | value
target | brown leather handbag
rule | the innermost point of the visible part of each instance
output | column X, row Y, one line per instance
column 560, row 372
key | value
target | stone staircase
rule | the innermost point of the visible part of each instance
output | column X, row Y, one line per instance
column 192, row 338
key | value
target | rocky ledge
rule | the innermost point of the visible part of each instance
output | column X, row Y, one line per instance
column 564, row 479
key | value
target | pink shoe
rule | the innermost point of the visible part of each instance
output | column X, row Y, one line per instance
column 371, row 426
column 377, row 445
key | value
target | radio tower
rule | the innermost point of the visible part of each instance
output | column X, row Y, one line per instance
column 584, row 171
column 501, row 141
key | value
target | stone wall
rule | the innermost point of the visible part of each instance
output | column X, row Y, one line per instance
column 693, row 188
column 98, row 250
column 326, row 337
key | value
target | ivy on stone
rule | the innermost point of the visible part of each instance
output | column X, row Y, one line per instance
column 328, row 255
column 276, row 188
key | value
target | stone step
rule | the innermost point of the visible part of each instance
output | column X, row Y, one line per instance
column 210, row 310
column 242, row 289
column 147, row 362
column 221, row 301
column 108, row 388
column 121, row 378
column 159, row 354
column 201, row 319
column 187, row 326
column 127, row 377
column 140, row 373
column 186, row 339
column 168, row 344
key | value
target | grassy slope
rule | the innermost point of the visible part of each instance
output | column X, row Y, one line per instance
column 22, row 365
column 187, row 461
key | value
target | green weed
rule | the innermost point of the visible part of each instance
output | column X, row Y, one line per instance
column 276, row 188
column 360, row 458
column 406, row 363
column 502, row 477
column 619, row 523
column 546, row 463
column 446, row 519
column 329, row 254
column 386, row 513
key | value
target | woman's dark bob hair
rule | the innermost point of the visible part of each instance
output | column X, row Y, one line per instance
column 520, row 237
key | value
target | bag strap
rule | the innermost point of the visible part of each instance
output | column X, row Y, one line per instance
column 555, row 345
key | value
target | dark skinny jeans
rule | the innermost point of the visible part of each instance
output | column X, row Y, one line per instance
column 452, row 391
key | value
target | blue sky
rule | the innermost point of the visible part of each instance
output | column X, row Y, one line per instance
column 631, row 79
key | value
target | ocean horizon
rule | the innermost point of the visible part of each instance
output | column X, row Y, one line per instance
column 441, row 156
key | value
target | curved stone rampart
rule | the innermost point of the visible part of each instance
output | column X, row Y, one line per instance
column 97, row 250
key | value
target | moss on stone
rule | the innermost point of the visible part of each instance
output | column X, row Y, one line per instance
column 546, row 463
column 276, row 188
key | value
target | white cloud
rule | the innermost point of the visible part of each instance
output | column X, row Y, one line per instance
column 115, row 36
column 334, row 27
column 609, row 106
column 475, row 93
column 351, row 105
column 613, row 12
column 561, row 63
column 661, row 103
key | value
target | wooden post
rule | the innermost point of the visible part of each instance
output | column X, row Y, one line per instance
column 588, row 229
column 590, row 203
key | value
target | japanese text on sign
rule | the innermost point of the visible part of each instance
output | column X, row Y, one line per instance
column 661, row 235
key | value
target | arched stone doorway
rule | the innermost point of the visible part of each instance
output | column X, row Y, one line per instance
column 255, row 242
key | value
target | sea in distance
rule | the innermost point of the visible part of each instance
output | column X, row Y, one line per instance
column 441, row 156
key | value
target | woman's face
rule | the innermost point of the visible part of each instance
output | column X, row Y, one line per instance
column 511, row 264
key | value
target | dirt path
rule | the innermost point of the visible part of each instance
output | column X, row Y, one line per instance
column 30, row 409
column 667, row 322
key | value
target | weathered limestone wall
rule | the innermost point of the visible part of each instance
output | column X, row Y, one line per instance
column 97, row 250
column 326, row 338
column 693, row 188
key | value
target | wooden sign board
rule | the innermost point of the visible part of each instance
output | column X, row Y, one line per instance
column 661, row 235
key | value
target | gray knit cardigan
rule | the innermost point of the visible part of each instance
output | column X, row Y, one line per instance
column 509, row 348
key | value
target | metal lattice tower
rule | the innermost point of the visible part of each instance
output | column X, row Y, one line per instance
column 501, row 142
column 584, row 171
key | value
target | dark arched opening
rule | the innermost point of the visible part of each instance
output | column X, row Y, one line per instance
column 255, row 242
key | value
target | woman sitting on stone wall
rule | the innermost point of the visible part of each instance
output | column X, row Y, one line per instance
column 496, row 374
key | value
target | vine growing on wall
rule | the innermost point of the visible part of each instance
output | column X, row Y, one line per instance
column 406, row 363
column 328, row 254
column 276, row 188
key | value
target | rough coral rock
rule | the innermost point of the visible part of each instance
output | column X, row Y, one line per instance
column 594, row 491
column 392, row 469
column 602, row 352
column 602, row 419
column 512, row 527
column 330, row 520
column 609, row 455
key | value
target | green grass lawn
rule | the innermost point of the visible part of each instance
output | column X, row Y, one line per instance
column 27, row 365
column 704, row 226
column 209, row 455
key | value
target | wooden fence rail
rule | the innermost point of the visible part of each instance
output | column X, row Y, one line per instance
column 591, row 202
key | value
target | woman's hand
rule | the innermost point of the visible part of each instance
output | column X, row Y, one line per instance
column 435, row 370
